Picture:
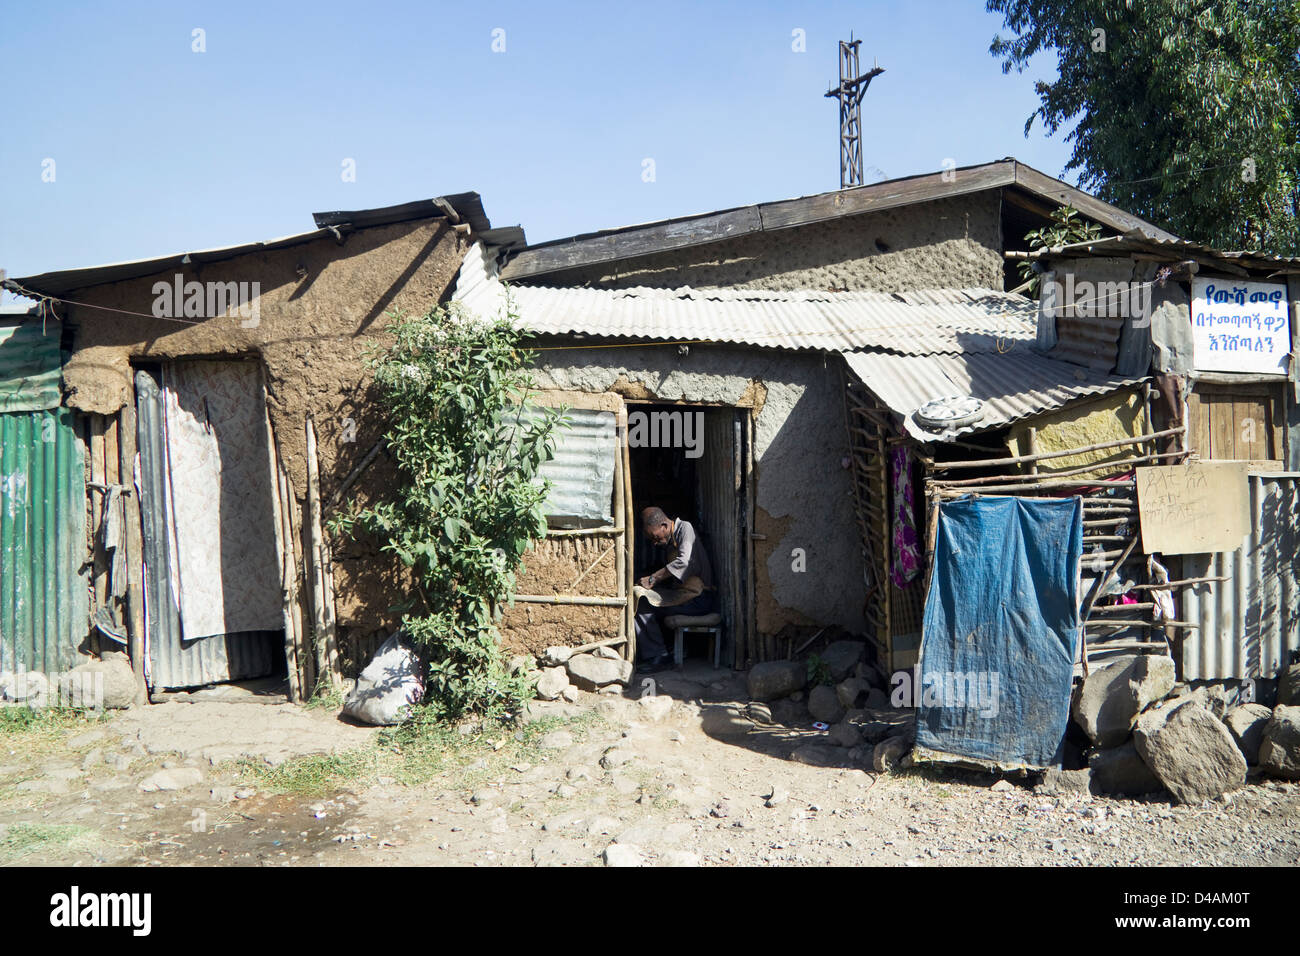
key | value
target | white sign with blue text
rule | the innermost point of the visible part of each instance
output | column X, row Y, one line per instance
column 1240, row 326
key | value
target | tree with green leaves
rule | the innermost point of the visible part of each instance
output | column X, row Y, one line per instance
column 453, row 389
column 1186, row 112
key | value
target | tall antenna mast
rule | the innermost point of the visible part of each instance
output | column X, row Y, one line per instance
column 849, row 93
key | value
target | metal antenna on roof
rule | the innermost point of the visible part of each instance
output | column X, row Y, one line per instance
column 849, row 93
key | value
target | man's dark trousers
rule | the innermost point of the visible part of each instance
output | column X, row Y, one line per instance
column 649, row 632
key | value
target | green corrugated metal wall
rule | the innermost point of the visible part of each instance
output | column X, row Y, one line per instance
column 44, row 604
column 29, row 365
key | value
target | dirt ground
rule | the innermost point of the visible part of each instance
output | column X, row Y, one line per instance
column 679, row 778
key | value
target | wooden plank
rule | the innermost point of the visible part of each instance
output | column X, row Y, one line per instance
column 887, row 195
column 1090, row 206
column 629, row 539
column 126, row 449
column 1222, row 430
column 1201, row 507
column 655, row 238
column 327, row 654
column 635, row 241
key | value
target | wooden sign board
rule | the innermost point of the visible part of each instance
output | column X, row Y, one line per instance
column 1197, row 508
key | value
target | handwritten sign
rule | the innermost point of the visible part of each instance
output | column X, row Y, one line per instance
column 1196, row 508
column 1239, row 326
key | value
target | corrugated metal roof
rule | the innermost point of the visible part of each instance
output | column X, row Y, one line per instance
column 1013, row 385
column 466, row 206
column 30, row 363
column 911, row 323
column 1250, row 623
column 44, row 602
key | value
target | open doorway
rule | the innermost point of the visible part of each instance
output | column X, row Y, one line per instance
column 213, row 598
column 691, row 461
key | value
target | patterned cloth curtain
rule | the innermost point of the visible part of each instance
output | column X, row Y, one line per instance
column 907, row 556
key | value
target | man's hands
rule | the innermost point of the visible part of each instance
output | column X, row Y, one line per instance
column 647, row 582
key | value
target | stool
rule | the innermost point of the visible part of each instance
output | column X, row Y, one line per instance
column 696, row 624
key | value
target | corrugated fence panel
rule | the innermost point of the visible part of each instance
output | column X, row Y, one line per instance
column 582, row 471
column 1250, row 623
column 172, row 662
column 44, row 604
column 29, row 365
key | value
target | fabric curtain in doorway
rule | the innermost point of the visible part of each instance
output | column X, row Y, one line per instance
column 221, row 524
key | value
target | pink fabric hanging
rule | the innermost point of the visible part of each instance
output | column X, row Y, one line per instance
column 906, row 564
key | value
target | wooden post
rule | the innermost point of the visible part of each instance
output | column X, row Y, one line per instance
column 327, row 659
column 629, row 532
column 620, row 547
column 751, row 618
column 284, row 551
column 126, row 447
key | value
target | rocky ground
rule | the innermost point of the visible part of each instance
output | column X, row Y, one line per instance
column 690, row 776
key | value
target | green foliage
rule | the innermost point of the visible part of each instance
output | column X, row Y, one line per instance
column 1188, row 111
column 452, row 387
column 1067, row 226
column 819, row 672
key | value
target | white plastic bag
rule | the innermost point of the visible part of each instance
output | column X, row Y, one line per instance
column 390, row 683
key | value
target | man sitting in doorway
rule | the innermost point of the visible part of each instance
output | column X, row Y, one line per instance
column 683, row 586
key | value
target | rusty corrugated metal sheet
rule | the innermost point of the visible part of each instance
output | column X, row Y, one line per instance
column 171, row 662
column 909, row 323
column 1250, row 623
column 29, row 364
column 44, row 604
column 1016, row 385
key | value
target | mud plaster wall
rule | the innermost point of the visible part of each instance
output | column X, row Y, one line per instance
column 551, row 567
column 954, row 243
column 803, row 491
column 311, row 337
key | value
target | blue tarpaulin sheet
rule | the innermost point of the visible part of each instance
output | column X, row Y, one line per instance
column 1001, row 632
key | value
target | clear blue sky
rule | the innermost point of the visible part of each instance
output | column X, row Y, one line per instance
column 159, row 149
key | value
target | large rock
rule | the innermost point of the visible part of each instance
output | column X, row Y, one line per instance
column 878, row 724
column 1120, row 772
column 726, row 721
column 1246, row 724
column 772, row 680
column 591, row 672
column 113, row 673
column 851, row 691
column 841, row 657
column 824, row 705
column 1288, row 686
column 844, row 734
column 1279, row 752
column 1056, row 780
column 890, row 753
column 556, row 656
column 1109, row 699
column 552, row 683
column 1190, row 751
